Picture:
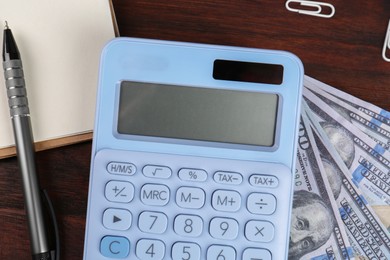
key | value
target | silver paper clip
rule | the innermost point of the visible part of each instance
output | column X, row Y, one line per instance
column 317, row 11
column 386, row 44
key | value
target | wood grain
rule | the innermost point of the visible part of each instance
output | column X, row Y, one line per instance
column 344, row 51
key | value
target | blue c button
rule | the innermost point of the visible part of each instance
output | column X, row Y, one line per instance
column 114, row 247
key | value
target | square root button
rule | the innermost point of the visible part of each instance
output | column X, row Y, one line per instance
column 261, row 203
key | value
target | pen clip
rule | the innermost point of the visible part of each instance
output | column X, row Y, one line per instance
column 318, row 8
column 55, row 254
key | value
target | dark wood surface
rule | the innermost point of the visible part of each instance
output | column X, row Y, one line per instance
column 344, row 51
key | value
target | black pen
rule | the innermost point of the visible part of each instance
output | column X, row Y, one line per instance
column 20, row 115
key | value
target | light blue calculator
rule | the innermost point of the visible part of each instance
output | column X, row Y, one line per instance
column 193, row 152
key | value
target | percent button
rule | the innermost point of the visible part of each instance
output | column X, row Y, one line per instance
column 187, row 174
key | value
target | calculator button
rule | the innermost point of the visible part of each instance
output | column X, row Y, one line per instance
column 259, row 231
column 114, row 247
column 226, row 200
column 188, row 225
column 119, row 191
column 190, row 198
column 261, row 203
column 155, row 171
column 217, row 252
column 263, row 181
column 121, row 168
column 182, row 250
column 152, row 222
column 256, row 253
column 150, row 249
column 117, row 219
column 232, row 178
column 223, row 228
column 155, row 194
column 197, row 175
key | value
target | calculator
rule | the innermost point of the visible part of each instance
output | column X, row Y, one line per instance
column 193, row 152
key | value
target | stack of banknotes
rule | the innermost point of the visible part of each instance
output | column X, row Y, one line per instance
column 341, row 204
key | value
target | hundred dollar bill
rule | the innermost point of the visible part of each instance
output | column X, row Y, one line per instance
column 317, row 231
column 367, row 161
column 377, row 113
column 367, row 235
column 367, row 124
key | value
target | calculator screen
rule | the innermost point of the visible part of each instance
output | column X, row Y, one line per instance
column 201, row 114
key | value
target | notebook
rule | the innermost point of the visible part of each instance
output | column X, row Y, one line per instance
column 60, row 43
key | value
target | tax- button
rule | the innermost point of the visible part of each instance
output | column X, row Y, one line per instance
column 232, row 178
column 114, row 247
column 155, row 194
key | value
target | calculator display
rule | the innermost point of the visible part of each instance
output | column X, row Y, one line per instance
column 201, row 114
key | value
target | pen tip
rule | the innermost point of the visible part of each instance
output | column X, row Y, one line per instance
column 6, row 25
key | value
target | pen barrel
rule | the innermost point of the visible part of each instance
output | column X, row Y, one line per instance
column 20, row 114
column 16, row 90
column 32, row 193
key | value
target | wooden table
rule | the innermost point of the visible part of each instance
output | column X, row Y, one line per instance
column 344, row 51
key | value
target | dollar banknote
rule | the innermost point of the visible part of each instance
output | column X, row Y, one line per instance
column 369, row 125
column 317, row 231
column 369, row 238
column 368, row 162
column 382, row 116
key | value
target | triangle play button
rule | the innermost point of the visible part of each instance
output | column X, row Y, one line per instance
column 116, row 219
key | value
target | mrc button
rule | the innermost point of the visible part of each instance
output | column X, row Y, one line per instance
column 155, row 194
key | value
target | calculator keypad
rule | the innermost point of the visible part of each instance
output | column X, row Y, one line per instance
column 153, row 201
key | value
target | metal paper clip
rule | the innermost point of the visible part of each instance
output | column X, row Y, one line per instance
column 386, row 44
column 318, row 8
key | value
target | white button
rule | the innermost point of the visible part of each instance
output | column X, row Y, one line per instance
column 215, row 252
column 152, row 222
column 121, row 168
column 117, row 219
column 261, row 203
column 232, row 178
column 181, row 250
column 150, row 249
column 223, row 228
column 263, row 181
column 155, row 171
column 256, row 253
column 188, row 225
column 224, row 200
column 198, row 175
column 119, row 191
column 155, row 194
column 190, row 198
column 259, row 231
